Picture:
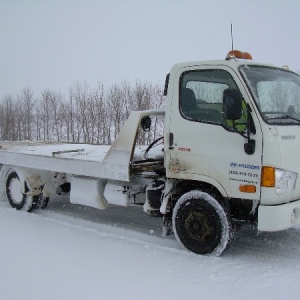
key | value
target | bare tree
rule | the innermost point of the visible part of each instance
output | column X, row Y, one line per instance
column 79, row 98
column 98, row 115
column 9, row 130
column 46, row 114
column 27, row 103
column 117, row 107
column 56, row 101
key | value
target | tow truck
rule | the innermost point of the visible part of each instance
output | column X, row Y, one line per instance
column 228, row 157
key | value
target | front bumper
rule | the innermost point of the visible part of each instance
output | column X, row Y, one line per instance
column 278, row 217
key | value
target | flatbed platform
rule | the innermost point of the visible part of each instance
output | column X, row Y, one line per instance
column 86, row 159
column 100, row 161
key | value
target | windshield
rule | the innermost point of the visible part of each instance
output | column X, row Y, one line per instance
column 276, row 92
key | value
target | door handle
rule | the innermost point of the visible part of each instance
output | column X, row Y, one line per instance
column 171, row 140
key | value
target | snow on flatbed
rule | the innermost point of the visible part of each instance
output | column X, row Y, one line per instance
column 49, row 149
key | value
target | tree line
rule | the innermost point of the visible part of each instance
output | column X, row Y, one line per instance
column 88, row 114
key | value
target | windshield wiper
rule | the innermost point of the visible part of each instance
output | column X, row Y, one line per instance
column 285, row 117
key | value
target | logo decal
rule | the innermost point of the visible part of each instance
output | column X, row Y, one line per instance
column 288, row 137
column 184, row 149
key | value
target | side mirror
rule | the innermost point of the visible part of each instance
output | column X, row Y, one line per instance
column 146, row 123
column 232, row 104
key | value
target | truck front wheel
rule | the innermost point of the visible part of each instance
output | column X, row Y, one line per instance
column 15, row 196
column 201, row 225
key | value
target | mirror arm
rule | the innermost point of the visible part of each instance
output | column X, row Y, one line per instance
column 249, row 146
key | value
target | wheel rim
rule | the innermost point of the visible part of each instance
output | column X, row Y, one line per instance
column 199, row 229
column 15, row 191
column 200, row 226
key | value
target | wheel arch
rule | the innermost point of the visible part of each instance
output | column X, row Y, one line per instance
column 6, row 170
column 186, row 186
column 202, row 179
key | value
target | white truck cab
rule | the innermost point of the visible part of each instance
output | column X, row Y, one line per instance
column 234, row 129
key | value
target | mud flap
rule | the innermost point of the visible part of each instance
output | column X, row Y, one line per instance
column 167, row 228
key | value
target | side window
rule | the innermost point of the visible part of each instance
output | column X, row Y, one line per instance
column 201, row 95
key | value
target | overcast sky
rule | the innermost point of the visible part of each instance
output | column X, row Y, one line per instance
column 49, row 44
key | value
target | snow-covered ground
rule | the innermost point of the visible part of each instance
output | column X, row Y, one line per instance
column 73, row 252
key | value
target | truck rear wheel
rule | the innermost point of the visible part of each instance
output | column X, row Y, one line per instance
column 15, row 196
column 201, row 225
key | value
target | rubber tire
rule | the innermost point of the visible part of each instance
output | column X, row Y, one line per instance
column 14, row 194
column 201, row 225
column 42, row 201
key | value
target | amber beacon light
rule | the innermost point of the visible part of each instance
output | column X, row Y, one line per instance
column 237, row 54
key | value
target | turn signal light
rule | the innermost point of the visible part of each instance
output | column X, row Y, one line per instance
column 268, row 176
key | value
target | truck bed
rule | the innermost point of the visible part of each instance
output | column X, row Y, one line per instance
column 109, row 162
column 85, row 159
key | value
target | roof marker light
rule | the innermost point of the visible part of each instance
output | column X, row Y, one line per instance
column 236, row 54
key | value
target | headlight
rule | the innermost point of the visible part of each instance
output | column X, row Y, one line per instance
column 284, row 181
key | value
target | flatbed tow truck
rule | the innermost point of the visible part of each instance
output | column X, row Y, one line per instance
column 228, row 157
